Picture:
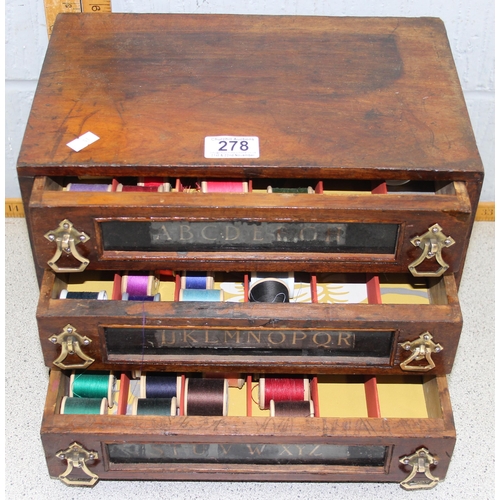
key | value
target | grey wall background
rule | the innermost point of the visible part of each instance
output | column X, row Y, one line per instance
column 470, row 27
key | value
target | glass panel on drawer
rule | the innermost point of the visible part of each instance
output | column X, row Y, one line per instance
column 242, row 235
column 248, row 453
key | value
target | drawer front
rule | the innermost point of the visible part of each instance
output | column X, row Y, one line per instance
column 340, row 323
column 369, row 434
column 425, row 234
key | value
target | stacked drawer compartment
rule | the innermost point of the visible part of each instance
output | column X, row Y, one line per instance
column 328, row 231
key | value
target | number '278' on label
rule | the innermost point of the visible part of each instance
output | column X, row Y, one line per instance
column 224, row 146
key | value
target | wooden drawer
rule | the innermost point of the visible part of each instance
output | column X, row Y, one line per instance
column 342, row 226
column 332, row 323
column 367, row 431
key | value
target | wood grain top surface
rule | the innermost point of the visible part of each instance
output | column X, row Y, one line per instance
column 330, row 97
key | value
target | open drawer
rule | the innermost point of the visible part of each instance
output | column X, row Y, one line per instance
column 351, row 323
column 337, row 428
column 315, row 225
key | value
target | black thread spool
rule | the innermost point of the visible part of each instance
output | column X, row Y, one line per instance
column 269, row 290
column 206, row 397
column 102, row 295
column 291, row 408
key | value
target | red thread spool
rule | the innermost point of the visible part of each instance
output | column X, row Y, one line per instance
column 282, row 389
column 150, row 181
column 224, row 187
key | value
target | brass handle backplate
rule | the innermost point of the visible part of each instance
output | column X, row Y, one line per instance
column 66, row 237
column 420, row 462
column 71, row 342
column 77, row 456
column 431, row 243
column 421, row 348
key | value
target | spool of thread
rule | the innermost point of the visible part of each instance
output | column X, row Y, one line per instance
column 88, row 187
column 282, row 389
column 144, row 298
column 206, row 397
column 155, row 182
column 102, row 295
column 92, row 385
column 194, row 280
column 160, row 385
column 233, row 379
column 83, row 406
column 195, row 295
column 397, row 182
column 291, row 408
column 299, row 190
column 225, row 186
column 269, row 290
column 139, row 189
column 161, row 406
column 288, row 278
column 139, row 284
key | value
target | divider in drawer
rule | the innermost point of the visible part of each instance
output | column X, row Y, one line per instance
column 347, row 323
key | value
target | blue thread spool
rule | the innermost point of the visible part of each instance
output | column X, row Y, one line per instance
column 197, row 280
column 194, row 295
column 160, row 385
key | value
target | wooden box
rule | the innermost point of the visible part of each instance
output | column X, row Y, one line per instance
column 387, row 429
column 335, row 151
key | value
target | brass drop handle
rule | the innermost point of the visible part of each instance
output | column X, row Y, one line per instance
column 71, row 342
column 431, row 243
column 420, row 462
column 421, row 348
column 77, row 456
column 66, row 237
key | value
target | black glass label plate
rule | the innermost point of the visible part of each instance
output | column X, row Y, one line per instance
column 245, row 236
column 243, row 453
column 146, row 341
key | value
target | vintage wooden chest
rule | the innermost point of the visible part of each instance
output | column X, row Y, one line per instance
column 318, row 176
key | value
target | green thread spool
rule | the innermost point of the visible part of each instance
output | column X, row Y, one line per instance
column 166, row 407
column 92, row 385
column 83, row 406
column 297, row 190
